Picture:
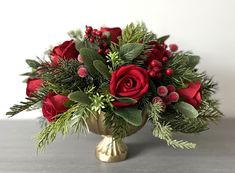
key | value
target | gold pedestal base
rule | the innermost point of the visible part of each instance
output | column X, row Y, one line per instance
column 110, row 150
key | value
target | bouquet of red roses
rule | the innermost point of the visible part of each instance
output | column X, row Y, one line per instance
column 127, row 76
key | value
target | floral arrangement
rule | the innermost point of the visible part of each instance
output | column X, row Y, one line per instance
column 121, row 73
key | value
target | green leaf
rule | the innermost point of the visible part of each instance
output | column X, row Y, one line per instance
column 89, row 55
column 79, row 96
column 187, row 110
column 69, row 103
column 131, row 115
column 193, row 60
column 130, row 51
column 163, row 38
column 79, row 44
column 102, row 68
column 127, row 100
column 32, row 63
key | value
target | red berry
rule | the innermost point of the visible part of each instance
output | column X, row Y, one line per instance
column 168, row 53
column 92, row 40
column 106, row 51
column 162, row 91
column 98, row 33
column 156, row 99
column 94, row 31
column 156, row 69
column 152, row 73
column 80, row 58
column 169, row 72
column 173, row 47
column 89, row 28
column 100, row 51
column 164, row 59
column 87, row 32
column 174, row 97
column 155, row 63
column 170, row 88
column 82, row 72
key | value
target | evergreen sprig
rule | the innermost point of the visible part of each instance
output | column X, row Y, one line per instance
column 74, row 118
column 29, row 103
column 183, row 73
column 63, row 78
column 163, row 130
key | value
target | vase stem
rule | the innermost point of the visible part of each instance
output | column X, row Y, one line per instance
column 110, row 150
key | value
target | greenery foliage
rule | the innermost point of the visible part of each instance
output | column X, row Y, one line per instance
column 90, row 95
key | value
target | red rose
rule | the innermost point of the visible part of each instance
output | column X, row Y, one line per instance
column 114, row 33
column 65, row 50
column 33, row 85
column 128, row 81
column 52, row 105
column 192, row 94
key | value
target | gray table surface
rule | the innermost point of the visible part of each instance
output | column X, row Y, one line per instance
column 215, row 152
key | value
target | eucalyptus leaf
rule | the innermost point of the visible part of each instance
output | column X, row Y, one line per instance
column 79, row 96
column 187, row 110
column 193, row 60
column 102, row 68
column 131, row 115
column 127, row 100
column 163, row 38
column 89, row 55
column 32, row 63
column 130, row 51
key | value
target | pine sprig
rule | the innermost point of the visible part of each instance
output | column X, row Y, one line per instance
column 183, row 73
column 163, row 130
column 29, row 103
column 74, row 118
column 63, row 78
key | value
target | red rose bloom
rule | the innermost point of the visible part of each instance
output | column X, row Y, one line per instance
column 192, row 94
column 65, row 50
column 128, row 81
column 33, row 85
column 114, row 33
column 52, row 105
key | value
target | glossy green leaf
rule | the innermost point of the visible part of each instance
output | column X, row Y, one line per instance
column 131, row 115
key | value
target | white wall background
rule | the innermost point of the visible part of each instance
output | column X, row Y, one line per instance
column 28, row 27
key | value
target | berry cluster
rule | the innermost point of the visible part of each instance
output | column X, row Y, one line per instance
column 155, row 68
column 157, row 56
column 166, row 95
column 97, row 36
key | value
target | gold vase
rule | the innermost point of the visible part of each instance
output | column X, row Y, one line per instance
column 110, row 150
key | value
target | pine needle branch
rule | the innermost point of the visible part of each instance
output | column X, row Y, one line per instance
column 29, row 103
column 163, row 130
column 74, row 118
